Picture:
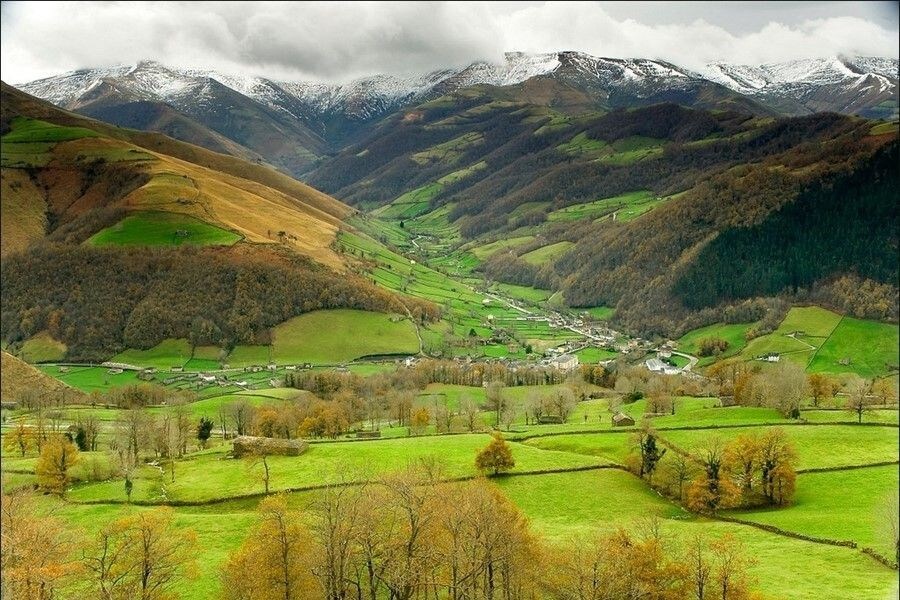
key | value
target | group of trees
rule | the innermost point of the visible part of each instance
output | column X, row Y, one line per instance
column 753, row 469
column 409, row 535
column 140, row 556
column 786, row 387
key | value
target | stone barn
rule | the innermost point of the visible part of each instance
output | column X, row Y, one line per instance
column 244, row 445
column 622, row 420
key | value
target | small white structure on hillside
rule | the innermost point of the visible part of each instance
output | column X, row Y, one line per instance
column 657, row 366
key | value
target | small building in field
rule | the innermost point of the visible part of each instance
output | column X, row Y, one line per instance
column 244, row 445
column 177, row 369
column 772, row 357
column 208, row 378
column 620, row 419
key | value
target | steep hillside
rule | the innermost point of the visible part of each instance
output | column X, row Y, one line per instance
column 204, row 110
column 238, row 248
column 480, row 180
column 786, row 228
column 19, row 377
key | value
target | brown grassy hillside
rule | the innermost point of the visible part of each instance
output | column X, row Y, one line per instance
column 19, row 375
column 100, row 166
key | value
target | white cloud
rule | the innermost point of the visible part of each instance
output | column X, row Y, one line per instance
column 336, row 41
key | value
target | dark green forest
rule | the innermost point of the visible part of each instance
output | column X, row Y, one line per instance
column 844, row 225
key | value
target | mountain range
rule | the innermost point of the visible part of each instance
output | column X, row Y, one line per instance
column 295, row 124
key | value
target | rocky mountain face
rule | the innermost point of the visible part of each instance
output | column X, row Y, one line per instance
column 294, row 124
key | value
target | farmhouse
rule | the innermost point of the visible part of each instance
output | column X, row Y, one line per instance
column 208, row 378
column 771, row 357
column 657, row 366
column 246, row 444
column 620, row 419
column 564, row 362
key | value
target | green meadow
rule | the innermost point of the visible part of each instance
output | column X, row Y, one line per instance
column 162, row 229
column 335, row 336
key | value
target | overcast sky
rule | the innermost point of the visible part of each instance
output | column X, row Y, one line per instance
column 339, row 41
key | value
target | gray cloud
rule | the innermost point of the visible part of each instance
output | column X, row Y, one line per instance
column 339, row 41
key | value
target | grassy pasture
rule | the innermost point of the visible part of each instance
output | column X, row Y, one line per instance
column 546, row 254
column 486, row 250
column 582, row 144
column 411, row 204
column 89, row 379
column 334, row 336
column 148, row 228
column 573, row 505
column 208, row 475
column 733, row 333
column 28, row 130
column 601, row 313
column 165, row 355
column 625, row 207
column 844, row 505
column 449, row 152
column 520, row 292
column 872, row 348
column 42, row 348
column 594, row 355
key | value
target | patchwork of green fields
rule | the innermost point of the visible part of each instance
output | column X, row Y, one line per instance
column 868, row 348
column 625, row 207
column 162, row 229
column 30, row 141
column 817, row 339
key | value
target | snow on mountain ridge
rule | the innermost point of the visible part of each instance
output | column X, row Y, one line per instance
column 368, row 97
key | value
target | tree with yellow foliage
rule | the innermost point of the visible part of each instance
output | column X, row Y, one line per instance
column 20, row 439
column 777, row 458
column 275, row 561
column 420, row 420
column 496, row 457
column 141, row 556
column 58, row 455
